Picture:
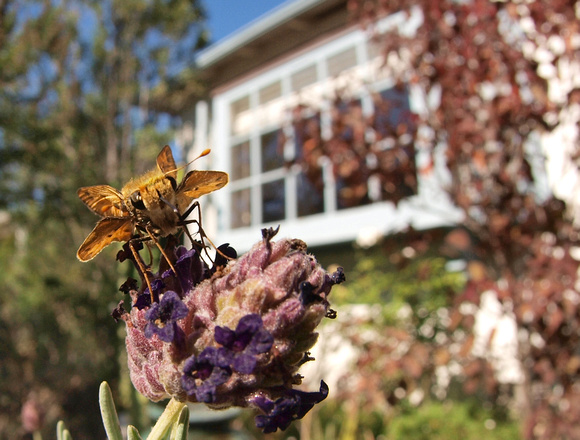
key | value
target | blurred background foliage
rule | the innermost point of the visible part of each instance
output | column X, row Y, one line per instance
column 79, row 85
column 84, row 82
column 394, row 317
column 496, row 82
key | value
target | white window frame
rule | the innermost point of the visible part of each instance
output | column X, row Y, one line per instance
column 332, row 225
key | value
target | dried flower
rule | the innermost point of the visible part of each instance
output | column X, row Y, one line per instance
column 235, row 334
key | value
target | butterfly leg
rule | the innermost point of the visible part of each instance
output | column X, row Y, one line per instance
column 154, row 239
column 182, row 217
column 200, row 230
column 142, row 268
column 183, row 222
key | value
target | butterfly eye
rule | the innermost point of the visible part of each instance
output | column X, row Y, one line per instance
column 137, row 201
column 173, row 182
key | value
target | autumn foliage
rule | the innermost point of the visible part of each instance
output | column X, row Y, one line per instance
column 496, row 78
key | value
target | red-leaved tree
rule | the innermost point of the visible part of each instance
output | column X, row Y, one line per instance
column 502, row 74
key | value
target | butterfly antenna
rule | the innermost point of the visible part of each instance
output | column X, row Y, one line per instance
column 202, row 154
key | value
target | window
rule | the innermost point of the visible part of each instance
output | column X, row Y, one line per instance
column 239, row 115
column 272, row 148
column 240, row 160
column 270, row 92
column 241, row 207
column 374, row 48
column 341, row 61
column 393, row 126
column 303, row 78
column 310, row 193
column 273, row 201
column 308, row 151
column 299, row 149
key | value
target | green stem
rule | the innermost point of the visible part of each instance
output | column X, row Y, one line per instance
column 167, row 419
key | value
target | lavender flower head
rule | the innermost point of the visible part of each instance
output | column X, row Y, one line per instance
column 234, row 334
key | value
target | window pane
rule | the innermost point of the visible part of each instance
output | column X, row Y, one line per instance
column 241, row 214
column 374, row 49
column 272, row 144
column 270, row 92
column 303, row 78
column 273, row 201
column 239, row 115
column 308, row 145
column 349, row 123
column 310, row 193
column 307, row 139
column 341, row 61
column 351, row 174
column 392, row 113
column 348, row 151
column 240, row 156
column 393, row 125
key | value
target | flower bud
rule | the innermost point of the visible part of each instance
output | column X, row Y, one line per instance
column 237, row 334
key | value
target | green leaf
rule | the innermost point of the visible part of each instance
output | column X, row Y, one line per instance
column 170, row 416
column 109, row 413
column 132, row 433
column 181, row 427
column 61, row 432
column 60, row 428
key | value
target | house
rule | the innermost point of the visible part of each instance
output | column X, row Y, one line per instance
column 285, row 90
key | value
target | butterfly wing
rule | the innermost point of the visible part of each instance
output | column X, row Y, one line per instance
column 166, row 163
column 103, row 200
column 108, row 230
column 197, row 183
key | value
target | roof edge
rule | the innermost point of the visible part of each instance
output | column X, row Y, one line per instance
column 257, row 27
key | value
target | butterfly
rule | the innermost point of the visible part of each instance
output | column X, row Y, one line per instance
column 150, row 206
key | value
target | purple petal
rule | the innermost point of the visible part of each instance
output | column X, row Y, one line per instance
column 188, row 384
column 143, row 301
column 244, row 363
column 249, row 324
column 245, row 331
column 308, row 400
column 165, row 333
column 224, row 336
column 280, row 413
column 260, row 343
column 172, row 304
column 190, row 269
column 223, row 358
column 206, row 391
column 190, row 365
column 264, row 403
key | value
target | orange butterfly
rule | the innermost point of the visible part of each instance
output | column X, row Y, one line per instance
column 150, row 206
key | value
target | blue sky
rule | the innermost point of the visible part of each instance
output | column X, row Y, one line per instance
column 227, row 16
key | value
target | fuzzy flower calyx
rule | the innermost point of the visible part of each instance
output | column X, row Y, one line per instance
column 234, row 334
